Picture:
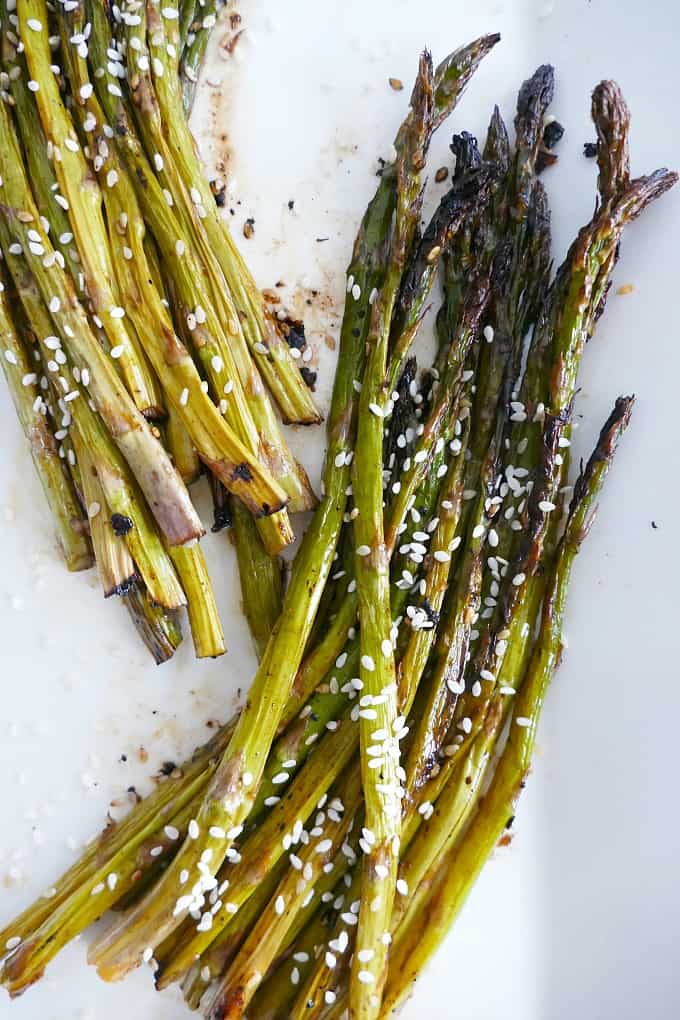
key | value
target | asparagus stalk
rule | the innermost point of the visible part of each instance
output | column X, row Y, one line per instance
column 173, row 364
column 195, row 27
column 156, row 917
column 269, row 351
column 161, row 485
column 114, row 563
column 204, row 618
column 260, row 576
column 159, row 630
column 181, row 448
column 247, row 407
column 84, row 204
column 232, row 994
column 22, row 382
column 122, row 495
column 439, row 899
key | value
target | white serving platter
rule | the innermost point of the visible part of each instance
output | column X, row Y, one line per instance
column 580, row 916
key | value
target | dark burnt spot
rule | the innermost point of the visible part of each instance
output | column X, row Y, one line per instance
column 309, row 377
column 432, row 614
column 291, row 204
column 125, row 587
column 167, row 768
column 590, row 150
column 293, row 332
column 552, row 133
column 121, row 524
column 221, row 518
column 242, row 472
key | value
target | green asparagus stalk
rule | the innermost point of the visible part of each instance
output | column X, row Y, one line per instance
column 439, row 899
column 159, row 630
column 269, row 351
column 84, row 204
column 156, row 917
column 195, row 26
column 260, row 576
column 232, row 993
column 161, row 485
column 181, row 448
column 22, row 382
column 115, row 565
column 122, row 494
column 204, row 618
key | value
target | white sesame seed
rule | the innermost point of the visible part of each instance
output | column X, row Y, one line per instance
column 193, row 829
column 147, row 954
column 356, row 291
column 366, row 977
column 519, row 579
column 279, row 905
column 478, row 531
column 488, row 333
column 363, row 550
column 367, row 663
column 184, row 397
column 375, row 409
column 546, row 506
column 34, row 24
column 523, row 721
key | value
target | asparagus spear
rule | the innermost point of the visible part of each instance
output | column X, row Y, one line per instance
column 439, row 900
column 260, row 576
column 171, row 360
column 164, row 490
column 122, row 494
column 114, row 563
column 156, row 917
column 269, row 351
column 22, row 382
column 84, row 205
column 159, row 630
column 195, row 26
column 204, row 617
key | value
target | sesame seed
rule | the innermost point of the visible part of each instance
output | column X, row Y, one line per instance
column 523, row 721
column 184, row 397
column 363, row 550
column 34, row 24
column 193, row 829
column 546, row 506
column 376, row 410
column 147, row 954
column 117, row 312
column 519, row 579
column 279, row 905
column 366, row 977
column 488, row 333
column 367, row 663
column 478, row 531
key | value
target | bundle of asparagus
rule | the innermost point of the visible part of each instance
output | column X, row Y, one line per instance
column 310, row 858
column 136, row 343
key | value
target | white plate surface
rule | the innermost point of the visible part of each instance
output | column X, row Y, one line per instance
column 580, row 916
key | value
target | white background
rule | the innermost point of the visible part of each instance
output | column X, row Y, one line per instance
column 580, row 916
